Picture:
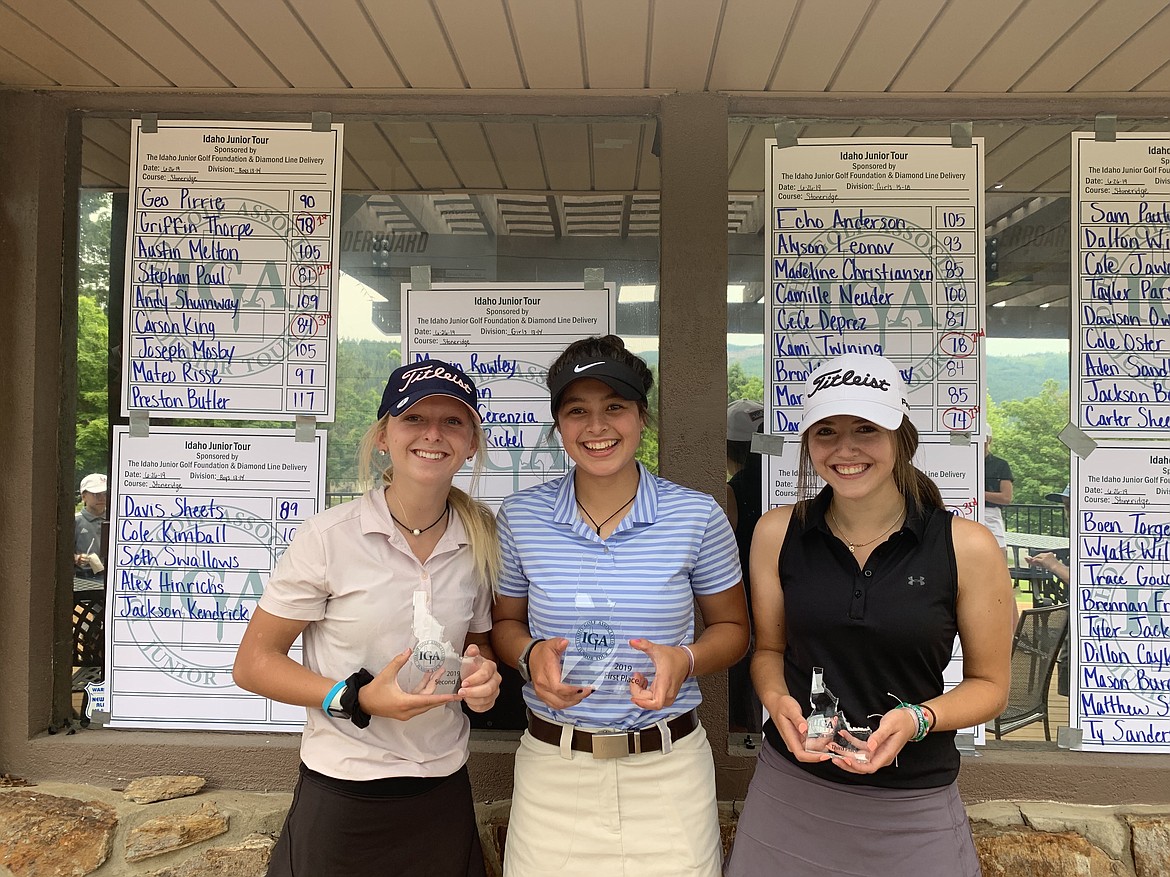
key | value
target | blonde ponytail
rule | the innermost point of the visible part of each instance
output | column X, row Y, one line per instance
column 480, row 524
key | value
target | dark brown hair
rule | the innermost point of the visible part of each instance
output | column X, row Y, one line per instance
column 604, row 347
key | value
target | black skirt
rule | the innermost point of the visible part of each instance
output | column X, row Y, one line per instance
column 406, row 827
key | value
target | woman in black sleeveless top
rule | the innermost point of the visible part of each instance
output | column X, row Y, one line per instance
column 863, row 590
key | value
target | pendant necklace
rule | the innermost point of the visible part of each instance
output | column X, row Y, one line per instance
column 853, row 546
column 416, row 531
column 597, row 526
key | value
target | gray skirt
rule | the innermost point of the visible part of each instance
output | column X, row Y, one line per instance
column 795, row 823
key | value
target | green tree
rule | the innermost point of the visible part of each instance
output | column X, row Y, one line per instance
column 741, row 385
column 648, row 448
column 93, row 356
column 95, row 214
column 1025, row 433
column 362, row 369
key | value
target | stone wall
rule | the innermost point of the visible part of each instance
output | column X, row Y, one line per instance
column 174, row 827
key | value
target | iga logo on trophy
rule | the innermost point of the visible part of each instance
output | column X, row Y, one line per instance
column 595, row 640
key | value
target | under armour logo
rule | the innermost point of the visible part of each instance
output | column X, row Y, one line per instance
column 916, row 581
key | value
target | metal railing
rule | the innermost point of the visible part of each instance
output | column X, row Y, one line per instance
column 1046, row 519
column 337, row 498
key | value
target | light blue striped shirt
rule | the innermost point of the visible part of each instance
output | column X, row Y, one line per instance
column 639, row 583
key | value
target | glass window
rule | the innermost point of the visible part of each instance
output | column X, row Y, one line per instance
column 1027, row 221
column 474, row 201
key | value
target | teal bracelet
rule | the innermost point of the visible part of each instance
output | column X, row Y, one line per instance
column 333, row 692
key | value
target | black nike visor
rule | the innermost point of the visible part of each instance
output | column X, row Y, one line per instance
column 622, row 379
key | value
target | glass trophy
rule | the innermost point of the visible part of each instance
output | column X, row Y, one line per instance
column 592, row 649
column 599, row 651
column 828, row 729
column 435, row 666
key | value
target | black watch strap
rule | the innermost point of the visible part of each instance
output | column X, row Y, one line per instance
column 522, row 662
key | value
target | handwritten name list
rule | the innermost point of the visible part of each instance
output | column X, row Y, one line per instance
column 1121, row 267
column 1121, row 568
column 505, row 336
column 231, row 271
column 198, row 520
column 876, row 247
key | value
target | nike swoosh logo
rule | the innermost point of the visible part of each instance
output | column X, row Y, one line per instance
column 401, row 402
column 577, row 369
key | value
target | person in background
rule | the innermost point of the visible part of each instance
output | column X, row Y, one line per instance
column 383, row 784
column 997, row 493
column 864, row 587
column 745, row 418
column 1046, row 559
column 601, row 572
column 87, row 528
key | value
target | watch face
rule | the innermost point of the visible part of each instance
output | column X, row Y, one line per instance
column 522, row 662
column 339, row 713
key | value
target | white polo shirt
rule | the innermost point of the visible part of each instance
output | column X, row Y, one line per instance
column 350, row 572
column 674, row 544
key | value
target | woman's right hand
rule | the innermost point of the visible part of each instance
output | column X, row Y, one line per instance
column 383, row 696
column 544, row 666
column 793, row 728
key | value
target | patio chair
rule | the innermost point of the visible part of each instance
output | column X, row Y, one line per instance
column 1040, row 634
column 89, row 646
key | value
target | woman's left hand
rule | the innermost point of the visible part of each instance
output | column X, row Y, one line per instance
column 896, row 728
column 481, row 688
column 671, row 666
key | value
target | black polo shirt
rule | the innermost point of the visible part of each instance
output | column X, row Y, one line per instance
column 886, row 628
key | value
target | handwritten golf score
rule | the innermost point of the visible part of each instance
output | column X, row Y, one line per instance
column 1121, row 276
column 199, row 518
column 232, row 270
column 505, row 336
column 876, row 246
column 1120, row 595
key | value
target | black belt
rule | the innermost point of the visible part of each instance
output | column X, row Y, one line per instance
column 614, row 744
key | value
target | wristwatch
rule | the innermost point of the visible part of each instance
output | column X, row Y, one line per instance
column 522, row 661
column 332, row 703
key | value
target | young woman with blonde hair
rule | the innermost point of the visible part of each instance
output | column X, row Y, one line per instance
column 399, row 581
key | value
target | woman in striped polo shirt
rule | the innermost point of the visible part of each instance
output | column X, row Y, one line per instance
column 601, row 570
